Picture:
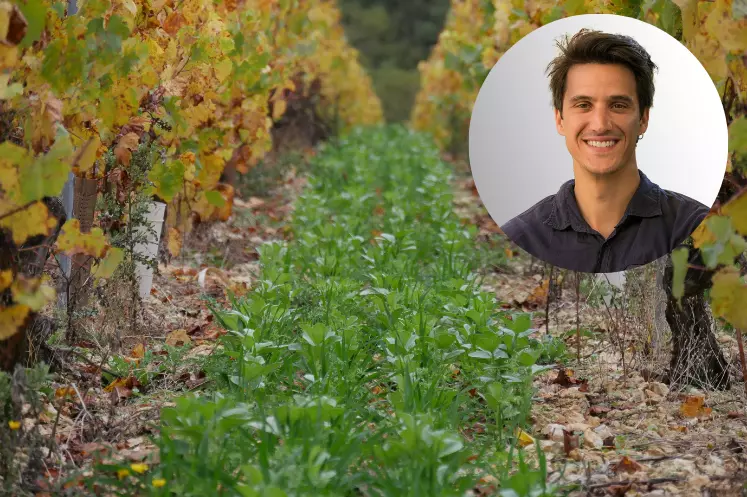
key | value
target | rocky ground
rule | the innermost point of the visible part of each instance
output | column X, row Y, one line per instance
column 602, row 421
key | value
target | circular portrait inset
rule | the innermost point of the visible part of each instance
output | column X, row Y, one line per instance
column 598, row 143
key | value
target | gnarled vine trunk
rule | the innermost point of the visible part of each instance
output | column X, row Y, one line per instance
column 697, row 358
column 28, row 260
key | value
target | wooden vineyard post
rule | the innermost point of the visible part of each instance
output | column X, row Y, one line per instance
column 76, row 291
column 578, row 319
column 741, row 358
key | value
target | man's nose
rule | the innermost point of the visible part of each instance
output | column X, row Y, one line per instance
column 601, row 118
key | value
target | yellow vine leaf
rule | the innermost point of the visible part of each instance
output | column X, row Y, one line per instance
column 702, row 235
column 730, row 33
column 6, row 278
column 736, row 208
column 87, row 156
column 31, row 221
column 106, row 267
column 11, row 319
column 212, row 167
column 71, row 241
column 34, row 293
column 174, row 242
column 278, row 109
column 5, row 13
column 689, row 11
column 728, row 296
column 223, row 69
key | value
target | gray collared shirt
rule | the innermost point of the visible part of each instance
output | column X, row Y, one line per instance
column 655, row 223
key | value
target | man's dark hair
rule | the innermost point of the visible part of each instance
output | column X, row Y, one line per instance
column 595, row 47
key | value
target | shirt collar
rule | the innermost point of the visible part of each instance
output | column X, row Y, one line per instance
column 565, row 211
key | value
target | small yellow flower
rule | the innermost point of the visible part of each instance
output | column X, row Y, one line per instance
column 14, row 425
column 159, row 482
column 121, row 473
column 139, row 467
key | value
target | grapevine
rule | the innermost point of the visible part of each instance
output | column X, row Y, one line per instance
column 205, row 79
column 714, row 31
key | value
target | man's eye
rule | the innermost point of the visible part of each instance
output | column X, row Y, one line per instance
column 620, row 106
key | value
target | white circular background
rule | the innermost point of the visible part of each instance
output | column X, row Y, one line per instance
column 518, row 158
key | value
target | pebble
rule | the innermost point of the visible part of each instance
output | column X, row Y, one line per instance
column 592, row 440
column 554, row 432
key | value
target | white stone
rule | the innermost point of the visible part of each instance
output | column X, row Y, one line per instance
column 554, row 432
column 593, row 440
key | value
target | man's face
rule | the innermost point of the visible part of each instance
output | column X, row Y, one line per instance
column 601, row 118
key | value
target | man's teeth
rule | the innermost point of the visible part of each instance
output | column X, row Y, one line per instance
column 601, row 144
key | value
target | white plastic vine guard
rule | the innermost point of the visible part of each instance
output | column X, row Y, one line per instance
column 154, row 217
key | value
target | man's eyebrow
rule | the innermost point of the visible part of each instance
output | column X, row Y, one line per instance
column 613, row 98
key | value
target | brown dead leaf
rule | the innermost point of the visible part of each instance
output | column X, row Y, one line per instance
column 539, row 294
column 119, row 393
column 127, row 383
column 17, row 26
column 91, row 447
column 627, row 465
column 200, row 351
column 619, row 490
column 565, row 379
column 692, row 407
column 134, row 442
column 173, row 23
column 125, row 146
column 570, row 442
column 177, row 338
column 64, row 392
column 598, row 411
column 138, row 351
column 137, row 125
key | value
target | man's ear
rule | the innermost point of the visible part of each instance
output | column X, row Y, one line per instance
column 559, row 122
column 644, row 120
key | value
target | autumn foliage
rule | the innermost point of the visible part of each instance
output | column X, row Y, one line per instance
column 478, row 32
column 204, row 80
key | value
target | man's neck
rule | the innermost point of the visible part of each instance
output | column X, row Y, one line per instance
column 602, row 199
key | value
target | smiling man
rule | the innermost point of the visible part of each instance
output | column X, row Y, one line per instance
column 610, row 217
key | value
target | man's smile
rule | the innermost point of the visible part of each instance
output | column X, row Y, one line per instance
column 601, row 144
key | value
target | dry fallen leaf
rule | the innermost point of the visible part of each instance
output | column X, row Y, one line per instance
column 692, row 407
column 627, row 465
column 525, row 438
column 64, row 392
column 539, row 294
column 127, row 383
column 619, row 490
column 177, row 338
column 570, row 442
column 138, row 351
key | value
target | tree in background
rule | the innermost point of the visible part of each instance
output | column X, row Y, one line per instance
column 393, row 36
